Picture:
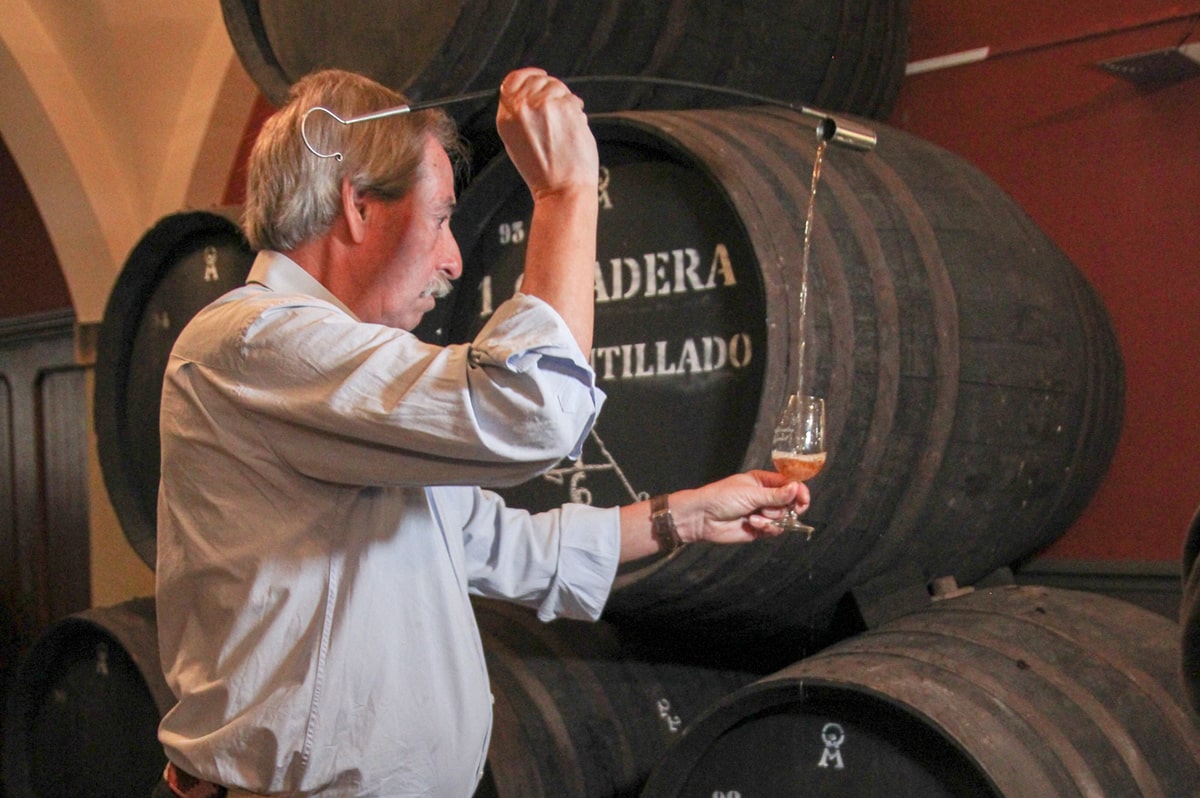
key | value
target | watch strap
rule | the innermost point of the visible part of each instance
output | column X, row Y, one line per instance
column 662, row 525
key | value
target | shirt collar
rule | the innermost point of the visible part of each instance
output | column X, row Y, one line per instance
column 278, row 272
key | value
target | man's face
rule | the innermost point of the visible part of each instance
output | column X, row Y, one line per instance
column 409, row 255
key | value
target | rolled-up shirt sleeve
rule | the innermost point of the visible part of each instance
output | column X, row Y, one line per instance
column 561, row 562
column 523, row 343
column 349, row 402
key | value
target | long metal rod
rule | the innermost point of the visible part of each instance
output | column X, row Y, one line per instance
column 393, row 111
column 485, row 94
column 829, row 126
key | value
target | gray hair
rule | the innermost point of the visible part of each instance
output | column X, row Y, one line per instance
column 293, row 196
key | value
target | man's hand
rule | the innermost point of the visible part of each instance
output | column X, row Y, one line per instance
column 546, row 134
column 737, row 509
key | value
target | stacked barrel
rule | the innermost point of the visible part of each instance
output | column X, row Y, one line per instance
column 974, row 391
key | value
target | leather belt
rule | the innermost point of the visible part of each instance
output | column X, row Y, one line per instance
column 185, row 785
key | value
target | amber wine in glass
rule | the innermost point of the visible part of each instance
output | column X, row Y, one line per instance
column 798, row 448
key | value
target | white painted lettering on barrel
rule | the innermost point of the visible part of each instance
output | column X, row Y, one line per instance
column 702, row 355
column 651, row 274
column 832, row 735
column 674, row 723
column 210, row 265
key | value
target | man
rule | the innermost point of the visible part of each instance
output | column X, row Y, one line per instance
column 320, row 531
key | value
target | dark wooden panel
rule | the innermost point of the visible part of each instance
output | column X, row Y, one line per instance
column 44, row 443
column 62, row 432
column 8, row 514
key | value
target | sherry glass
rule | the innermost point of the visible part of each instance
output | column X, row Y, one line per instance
column 798, row 448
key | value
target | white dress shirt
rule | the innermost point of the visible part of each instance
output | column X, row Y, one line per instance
column 319, row 534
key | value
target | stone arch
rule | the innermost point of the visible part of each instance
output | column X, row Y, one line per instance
column 96, row 194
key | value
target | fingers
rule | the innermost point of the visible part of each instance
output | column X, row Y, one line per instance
column 740, row 508
column 769, row 479
column 803, row 497
column 782, row 495
column 546, row 133
column 524, row 85
column 518, row 77
column 513, row 80
column 781, row 487
column 765, row 525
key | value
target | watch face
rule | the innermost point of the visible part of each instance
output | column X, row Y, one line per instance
column 680, row 328
column 186, row 261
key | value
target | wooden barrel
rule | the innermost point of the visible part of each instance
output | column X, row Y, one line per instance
column 13, row 640
column 578, row 713
column 180, row 265
column 84, row 707
column 847, row 55
column 972, row 379
column 1017, row 691
column 1189, row 614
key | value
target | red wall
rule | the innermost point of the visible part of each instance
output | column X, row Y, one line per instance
column 1111, row 172
column 30, row 278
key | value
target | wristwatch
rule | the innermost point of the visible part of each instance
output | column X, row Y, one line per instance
column 662, row 525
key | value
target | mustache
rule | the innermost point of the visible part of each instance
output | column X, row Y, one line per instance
column 438, row 286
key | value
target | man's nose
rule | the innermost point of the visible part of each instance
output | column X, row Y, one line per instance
column 452, row 263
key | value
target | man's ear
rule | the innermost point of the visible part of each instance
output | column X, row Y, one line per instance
column 355, row 211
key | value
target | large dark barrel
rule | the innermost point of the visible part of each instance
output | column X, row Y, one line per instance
column 13, row 640
column 1189, row 614
column 84, row 707
column 973, row 382
column 579, row 714
column 180, row 265
column 845, row 55
column 1016, row 691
